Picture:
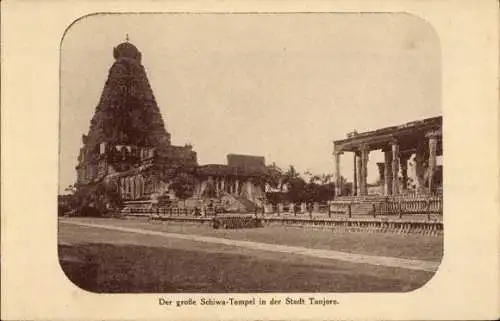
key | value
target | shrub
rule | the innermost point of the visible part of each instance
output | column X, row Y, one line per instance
column 95, row 199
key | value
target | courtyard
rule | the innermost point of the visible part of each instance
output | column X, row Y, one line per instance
column 130, row 255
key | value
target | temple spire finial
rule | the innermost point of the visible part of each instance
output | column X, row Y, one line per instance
column 126, row 37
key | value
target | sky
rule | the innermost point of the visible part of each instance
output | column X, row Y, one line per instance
column 282, row 86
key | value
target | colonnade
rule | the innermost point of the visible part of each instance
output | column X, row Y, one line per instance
column 222, row 184
column 132, row 187
column 395, row 160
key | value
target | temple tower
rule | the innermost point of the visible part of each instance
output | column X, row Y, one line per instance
column 127, row 112
column 127, row 115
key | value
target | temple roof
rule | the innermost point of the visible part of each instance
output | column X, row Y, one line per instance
column 227, row 170
column 126, row 50
column 245, row 160
column 407, row 133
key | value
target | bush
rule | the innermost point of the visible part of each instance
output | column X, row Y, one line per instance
column 89, row 211
column 62, row 210
column 91, row 200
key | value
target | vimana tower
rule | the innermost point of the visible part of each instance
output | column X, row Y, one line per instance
column 127, row 148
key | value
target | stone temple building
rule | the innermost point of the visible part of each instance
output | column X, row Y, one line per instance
column 128, row 144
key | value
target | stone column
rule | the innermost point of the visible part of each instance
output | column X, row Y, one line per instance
column 338, row 181
column 132, row 188
column 395, row 168
column 237, row 186
column 303, row 208
column 223, row 184
column 132, row 193
column 141, row 186
column 122, row 187
column 364, row 170
column 432, row 160
column 420, row 155
column 381, row 169
column 216, row 183
column 359, row 178
column 387, row 172
column 404, row 171
column 203, row 186
column 355, row 176
column 250, row 191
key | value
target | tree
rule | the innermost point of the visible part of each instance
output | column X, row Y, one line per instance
column 289, row 177
column 274, row 197
column 319, row 187
column 71, row 190
column 274, row 176
column 183, row 185
column 96, row 198
column 327, row 189
column 87, row 199
column 346, row 186
column 326, row 178
column 297, row 191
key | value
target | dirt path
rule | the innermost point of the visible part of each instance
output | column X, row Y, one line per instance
column 324, row 254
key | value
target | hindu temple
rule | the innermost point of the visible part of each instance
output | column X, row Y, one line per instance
column 127, row 143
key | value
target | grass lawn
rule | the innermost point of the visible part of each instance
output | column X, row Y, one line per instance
column 413, row 246
column 130, row 262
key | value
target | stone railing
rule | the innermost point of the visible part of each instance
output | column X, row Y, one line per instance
column 168, row 211
column 294, row 209
column 366, row 225
column 321, row 219
column 372, row 205
column 371, row 197
column 374, row 225
column 429, row 205
column 356, row 199
column 182, row 219
column 394, row 205
column 225, row 221
column 139, row 204
column 137, row 208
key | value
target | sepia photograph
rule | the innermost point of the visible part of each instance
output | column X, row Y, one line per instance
column 250, row 160
column 254, row 153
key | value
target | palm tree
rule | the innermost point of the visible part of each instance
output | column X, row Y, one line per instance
column 289, row 176
column 326, row 178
